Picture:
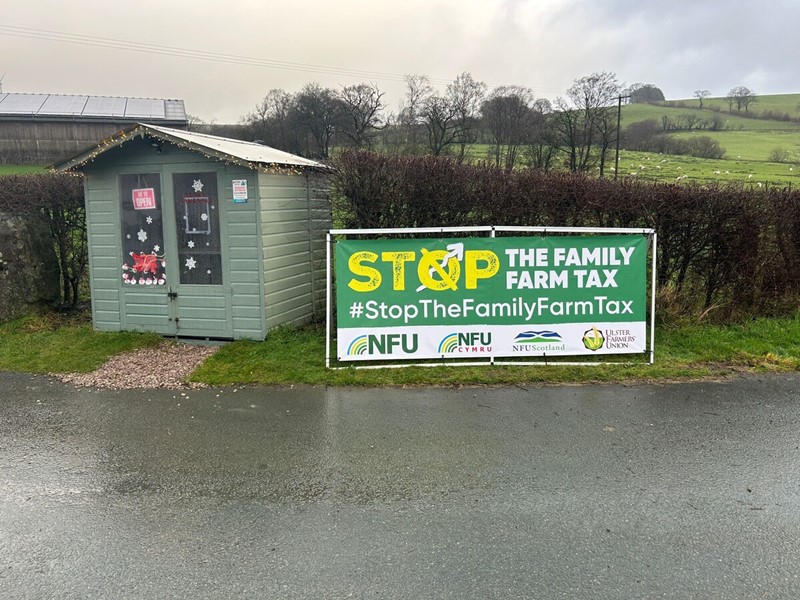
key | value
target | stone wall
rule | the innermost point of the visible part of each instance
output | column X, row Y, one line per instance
column 29, row 272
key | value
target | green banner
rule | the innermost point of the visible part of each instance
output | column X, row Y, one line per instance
column 545, row 287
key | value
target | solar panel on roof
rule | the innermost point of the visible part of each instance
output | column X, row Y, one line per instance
column 174, row 109
column 139, row 109
column 104, row 106
column 22, row 104
column 144, row 108
column 63, row 105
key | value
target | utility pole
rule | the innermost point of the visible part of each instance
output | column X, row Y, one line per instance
column 619, row 118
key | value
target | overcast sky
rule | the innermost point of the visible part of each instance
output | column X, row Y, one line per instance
column 221, row 58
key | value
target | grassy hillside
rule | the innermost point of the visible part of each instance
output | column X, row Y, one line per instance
column 750, row 143
column 21, row 169
column 734, row 121
column 671, row 169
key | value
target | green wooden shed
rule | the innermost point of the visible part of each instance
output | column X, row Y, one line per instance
column 194, row 235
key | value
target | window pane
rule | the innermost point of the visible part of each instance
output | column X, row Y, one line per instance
column 142, row 230
column 197, row 221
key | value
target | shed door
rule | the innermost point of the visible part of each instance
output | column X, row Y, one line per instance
column 145, row 304
column 199, row 294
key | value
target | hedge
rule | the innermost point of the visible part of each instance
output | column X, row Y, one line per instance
column 724, row 251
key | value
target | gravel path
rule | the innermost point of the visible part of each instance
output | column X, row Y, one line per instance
column 168, row 365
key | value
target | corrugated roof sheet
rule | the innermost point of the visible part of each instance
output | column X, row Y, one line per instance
column 226, row 149
column 246, row 151
column 51, row 105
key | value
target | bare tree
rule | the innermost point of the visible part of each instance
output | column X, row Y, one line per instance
column 271, row 122
column 741, row 96
column 441, row 121
column 362, row 105
column 584, row 120
column 701, row 95
column 465, row 96
column 418, row 90
column 542, row 145
column 451, row 118
column 318, row 114
column 507, row 115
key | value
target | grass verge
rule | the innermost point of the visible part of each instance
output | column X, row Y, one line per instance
column 55, row 343
column 296, row 356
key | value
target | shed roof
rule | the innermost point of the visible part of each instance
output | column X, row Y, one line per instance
column 90, row 107
column 248, row 154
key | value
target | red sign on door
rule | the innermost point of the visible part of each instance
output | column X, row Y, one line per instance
column 144, row 199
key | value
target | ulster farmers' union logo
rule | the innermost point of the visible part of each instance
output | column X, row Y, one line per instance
column 593, row 339
column 474, row 342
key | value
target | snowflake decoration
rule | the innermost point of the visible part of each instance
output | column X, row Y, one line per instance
column 204, row 217
column 214, row 207
column 128, row 236
column 197, row 186
column 142, row 235
column 208, row 271
column 191, row 263
column 190, row 244
column 149, row 220
column 156, row 248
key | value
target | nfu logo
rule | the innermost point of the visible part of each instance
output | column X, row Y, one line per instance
column 384, row 344
column 474, row 342
column 533, row 342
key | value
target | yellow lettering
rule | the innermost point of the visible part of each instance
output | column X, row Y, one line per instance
column 473, row 273
column 373, row 275
column 430, row 263
column 398, row 260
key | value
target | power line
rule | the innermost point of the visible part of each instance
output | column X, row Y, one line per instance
column 119, row 44
column 205, row 55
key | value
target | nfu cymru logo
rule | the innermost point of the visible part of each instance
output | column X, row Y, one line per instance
column 538, row 341
column 593, row 339
column 391, row 343
column 474, row 342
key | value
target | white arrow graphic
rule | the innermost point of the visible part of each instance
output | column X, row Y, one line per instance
column 455, row 251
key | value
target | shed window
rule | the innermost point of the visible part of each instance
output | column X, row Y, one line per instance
column 142, row 230
column 197, row 225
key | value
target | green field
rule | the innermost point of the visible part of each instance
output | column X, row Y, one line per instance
column 730, row 121
column 668, row 168
column 749, row 143
column 21, row 169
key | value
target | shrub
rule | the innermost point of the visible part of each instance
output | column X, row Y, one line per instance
column 58, row 197
column 726, row 247
column 779, row 155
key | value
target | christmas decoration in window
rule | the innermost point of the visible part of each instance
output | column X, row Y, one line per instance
column 142, row 230
column 198, row 238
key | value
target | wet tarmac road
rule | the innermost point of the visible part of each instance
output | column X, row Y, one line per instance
column 676, row 491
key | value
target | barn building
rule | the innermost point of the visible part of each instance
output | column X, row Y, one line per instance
column 44, row 128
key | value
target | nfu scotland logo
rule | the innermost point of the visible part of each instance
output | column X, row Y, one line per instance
column 474, row 342
column 538, row 341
